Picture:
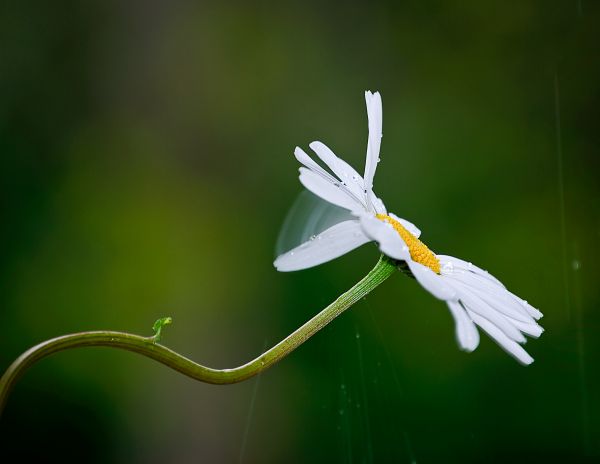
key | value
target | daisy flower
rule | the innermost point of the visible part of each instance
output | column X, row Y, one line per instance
column 475, row 298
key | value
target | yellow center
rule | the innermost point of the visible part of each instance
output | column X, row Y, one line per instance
column 417, row 249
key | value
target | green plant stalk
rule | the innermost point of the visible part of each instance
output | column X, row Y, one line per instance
column 148, row 346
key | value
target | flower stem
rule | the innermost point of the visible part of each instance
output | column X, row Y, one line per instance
column 148, row 346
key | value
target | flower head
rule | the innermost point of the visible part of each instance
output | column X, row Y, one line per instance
column 474, row 297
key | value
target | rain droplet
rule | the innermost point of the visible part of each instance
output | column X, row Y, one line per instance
column 448, row 267
column 379, row 160
column 357, row 335
column 576, row 265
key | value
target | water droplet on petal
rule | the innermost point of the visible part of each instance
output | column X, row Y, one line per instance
column 448, row 267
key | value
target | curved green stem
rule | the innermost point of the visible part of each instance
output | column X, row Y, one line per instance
column 148, row 346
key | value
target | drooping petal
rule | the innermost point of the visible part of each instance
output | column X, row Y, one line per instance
column 384, row 234
column 375, row 116
column 466, row 266
column 346, row 173
column 495, row 296
column 414, row 230
column 497, row 290
column 466, row 332
column 432, row 282
column 331, row 192
column 491, row 290
column 476, row 305
column 328, row 245
column 534, row 312
column 532, row 329
column 509, row 345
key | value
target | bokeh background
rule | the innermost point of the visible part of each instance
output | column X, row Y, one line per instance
column 146, row 168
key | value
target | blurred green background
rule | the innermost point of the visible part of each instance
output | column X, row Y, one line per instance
column 146, row 167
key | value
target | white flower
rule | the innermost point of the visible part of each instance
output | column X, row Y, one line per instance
column 473, row 296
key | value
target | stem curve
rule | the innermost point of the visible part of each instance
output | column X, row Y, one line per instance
column 148, row 347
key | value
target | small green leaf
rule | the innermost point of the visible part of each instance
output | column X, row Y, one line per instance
column 158, row 326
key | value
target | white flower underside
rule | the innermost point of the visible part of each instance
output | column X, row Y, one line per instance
column 474, row 297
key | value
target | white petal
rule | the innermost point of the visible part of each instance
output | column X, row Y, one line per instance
column 510, row 346
column 407, row 225
column 346, row 173
column 333, row 193
column 499, row 291
column 384, row 234
column 307, row 161
column 377, row 203
column 475, row 304
column 354, row 189
column 375, row 116
column 466, row 266
column 309, row 215
column 495, row 296
column 530, row 328
column 535, row 313
column 485, row 285
column 466, row 332
column 328, row 245
column 432, row 282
